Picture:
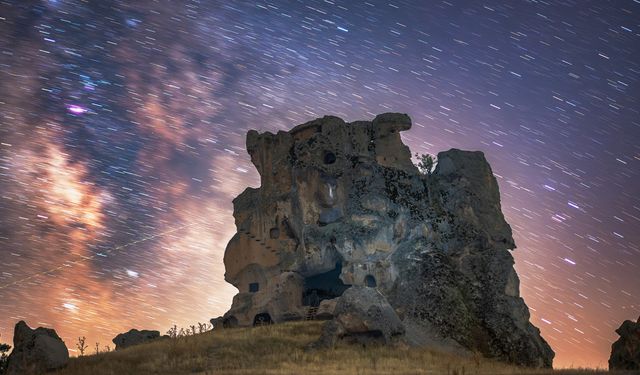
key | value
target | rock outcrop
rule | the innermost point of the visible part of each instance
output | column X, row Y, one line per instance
column 341, row 205
column 362, row 315
column 134, row 337
column 625, row 353
column 36, row 351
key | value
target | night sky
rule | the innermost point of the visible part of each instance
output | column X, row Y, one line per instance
column 122, row 129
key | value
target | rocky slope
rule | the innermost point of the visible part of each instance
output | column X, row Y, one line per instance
column 341, row 204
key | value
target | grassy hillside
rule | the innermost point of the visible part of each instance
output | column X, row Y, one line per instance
column 279, row 349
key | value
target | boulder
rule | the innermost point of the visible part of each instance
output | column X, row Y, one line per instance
column 36, row 351
column 134, row 337
column 342, row 206
column 326, row 309
column 362, row 315
column 625, row 352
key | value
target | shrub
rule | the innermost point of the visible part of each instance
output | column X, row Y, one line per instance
column 81, row 345
column 4, row 357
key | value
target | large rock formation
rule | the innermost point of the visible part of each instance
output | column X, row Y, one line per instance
column 36, row 351
column 134, row 337
column 625, row 353
column 343, row 205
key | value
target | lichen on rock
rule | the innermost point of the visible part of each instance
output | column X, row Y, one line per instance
column 341, row 205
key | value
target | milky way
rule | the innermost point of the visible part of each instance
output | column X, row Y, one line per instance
column 123, row 125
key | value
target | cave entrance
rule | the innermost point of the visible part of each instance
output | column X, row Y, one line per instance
column 323, row 286
column 262, row 319
column 329, row 157
column 370, row 281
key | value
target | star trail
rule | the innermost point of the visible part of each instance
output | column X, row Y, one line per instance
column 122, row 129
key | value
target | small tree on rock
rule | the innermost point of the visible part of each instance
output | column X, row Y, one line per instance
column 425, row 163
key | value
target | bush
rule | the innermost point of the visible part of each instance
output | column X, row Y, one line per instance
column 4, row 357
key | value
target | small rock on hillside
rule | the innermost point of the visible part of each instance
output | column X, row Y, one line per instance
column 134, row 337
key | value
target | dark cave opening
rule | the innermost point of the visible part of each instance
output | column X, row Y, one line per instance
column 262, row 319
column 323, row 286
column 329, row 157
column 370, row 281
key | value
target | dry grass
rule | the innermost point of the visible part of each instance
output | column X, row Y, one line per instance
column 279, row 349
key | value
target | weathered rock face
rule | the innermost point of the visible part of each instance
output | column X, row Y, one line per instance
column 342, row 205
column 134, row 337
column 625, row 353
column 36, row 351
column 362, row 315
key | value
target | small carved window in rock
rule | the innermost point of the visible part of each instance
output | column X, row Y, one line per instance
column 254, row 287
column 329, row 157
column 370, row 281
column 274, row 233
